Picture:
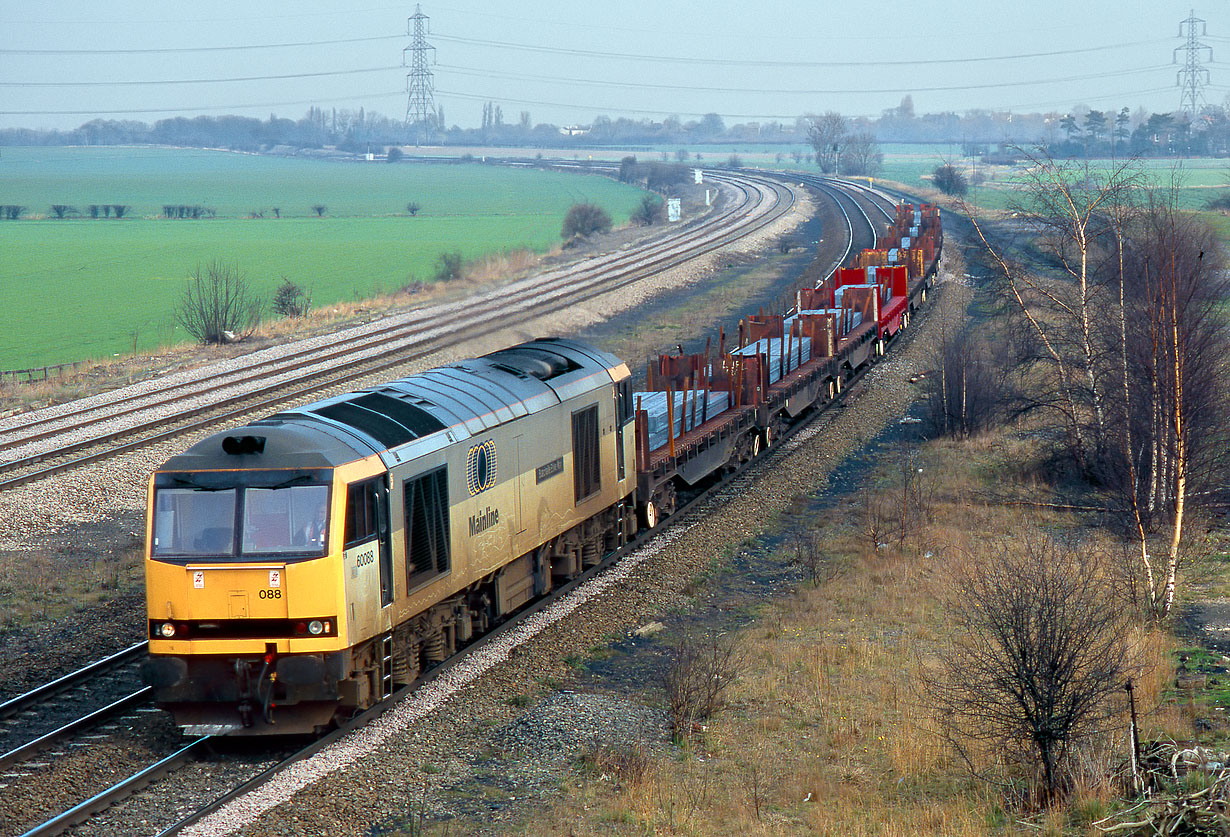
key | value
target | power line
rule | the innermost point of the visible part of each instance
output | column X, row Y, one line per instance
column 228, row 80
column 177, row 50
column 185, row 108
column 181, row 21
column 480, row 73
column 735, row 62
column 777, row 38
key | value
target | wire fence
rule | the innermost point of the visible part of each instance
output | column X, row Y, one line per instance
column 39, row 373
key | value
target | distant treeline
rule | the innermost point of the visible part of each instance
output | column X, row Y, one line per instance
column 1079, row 133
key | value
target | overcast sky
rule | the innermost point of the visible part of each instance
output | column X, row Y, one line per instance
column 63, row 63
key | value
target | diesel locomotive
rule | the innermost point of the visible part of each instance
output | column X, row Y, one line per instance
column 307, row 564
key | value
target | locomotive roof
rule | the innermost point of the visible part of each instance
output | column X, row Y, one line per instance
column 411, row 416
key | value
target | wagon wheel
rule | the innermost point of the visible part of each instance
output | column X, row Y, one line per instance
column 649, row 514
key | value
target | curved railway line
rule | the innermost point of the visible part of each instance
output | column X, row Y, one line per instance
column 303, row 367
column 37, row 447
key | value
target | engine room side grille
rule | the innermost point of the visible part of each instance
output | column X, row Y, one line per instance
column 586, row 462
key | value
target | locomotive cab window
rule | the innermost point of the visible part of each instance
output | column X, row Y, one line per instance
column 279, row 520
column 194, row 523
column 240, row 515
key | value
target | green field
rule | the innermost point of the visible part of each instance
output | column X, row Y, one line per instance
column 84, row 288
column 1199, row 179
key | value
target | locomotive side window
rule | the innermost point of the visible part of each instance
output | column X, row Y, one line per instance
column 361, row 521
column 191, row 522
column 623, row 415
column 623, row 402
column 427, row 538
column 367, row 517
column 586, row 466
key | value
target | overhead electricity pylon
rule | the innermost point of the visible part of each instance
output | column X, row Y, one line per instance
column 420, row 83
column 1192, row 77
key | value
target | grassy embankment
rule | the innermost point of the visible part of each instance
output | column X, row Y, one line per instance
column 828, row 730
column 85, row 288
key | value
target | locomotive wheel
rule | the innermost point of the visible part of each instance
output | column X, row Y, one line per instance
column 755, row 446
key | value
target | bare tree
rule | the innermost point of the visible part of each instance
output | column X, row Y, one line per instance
column 964, row 394
column 218, row 305
column 1077, row 215
column 862, row 155
column 1070, row 208
column 1038, row 658
column 827, row 135
column 1171, row 440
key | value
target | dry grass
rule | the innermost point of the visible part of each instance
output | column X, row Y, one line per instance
column 827, row 731
column 44, row 586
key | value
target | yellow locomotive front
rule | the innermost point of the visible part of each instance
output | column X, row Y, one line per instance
column 246, row 620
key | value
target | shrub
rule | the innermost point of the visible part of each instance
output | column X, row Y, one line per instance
column 949, row 180
column 1221, row 203
column 1038, row 662
column 448, row 266
column 647, row 212
column 291, row 300
column 394, row 154
column 218, row 304
column 585, row 219
column 696, row 679
column 628, row 169
column 413, row 208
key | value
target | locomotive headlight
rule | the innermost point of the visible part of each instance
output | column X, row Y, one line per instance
column 167, row 629
column 315, row 627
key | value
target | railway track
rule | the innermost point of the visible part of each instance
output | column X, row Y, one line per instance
column 169, row 765
column 47, row 716
column 95, row 429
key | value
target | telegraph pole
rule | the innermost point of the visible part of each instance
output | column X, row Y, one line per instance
column 420, row 84
column 1192, row 76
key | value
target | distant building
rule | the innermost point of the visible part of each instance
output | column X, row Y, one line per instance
column 573, row 131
